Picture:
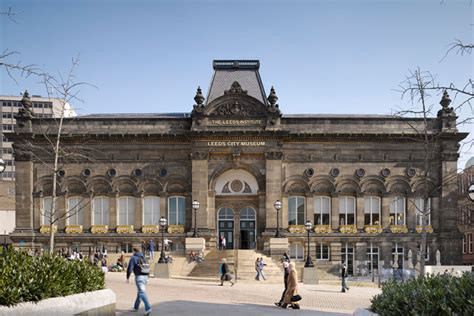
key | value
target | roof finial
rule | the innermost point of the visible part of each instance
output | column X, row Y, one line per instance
column 199, row 98
column 272, row 97
column 445, row 100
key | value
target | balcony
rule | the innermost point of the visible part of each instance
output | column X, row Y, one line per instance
column 322, row 229
column 348, row 229
column 428, row 228
column 150, row 229
column 373, row 229
column 100, row 229
column 125, row 229
column 175, row 229
column 297, row 229
column 73, row 229
column 399, row 229
column 46, row 229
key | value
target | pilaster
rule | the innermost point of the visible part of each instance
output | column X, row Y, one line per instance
column 273, row 180
column 200, row 188
column 360, row 206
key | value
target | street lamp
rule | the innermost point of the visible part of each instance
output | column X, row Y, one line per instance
column 3, row 165
column 277, row 206
column 309, row 262
column 195, row 208
column 470, row 192
column 163, row 223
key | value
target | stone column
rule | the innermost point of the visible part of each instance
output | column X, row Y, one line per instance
column 335, row 253
column 36, row 210
column 23, row 194
column 386, row 212
column 113, row 201
column 211, row 210
column 164, row 204
column 386, row 254
column 360, row 256
column 335, row 212
column 61, row 209
column 200, row 188
column 138, row 221
column 87, row 212
column 360, row 206
column 310, row 208
column 273, row 180
column 411, row 214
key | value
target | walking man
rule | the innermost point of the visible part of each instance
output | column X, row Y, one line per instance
column 344, row 278
column 151, row 249
column 286, row 266
column 136, row 265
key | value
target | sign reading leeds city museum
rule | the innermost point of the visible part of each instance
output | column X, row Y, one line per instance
column 235, row 143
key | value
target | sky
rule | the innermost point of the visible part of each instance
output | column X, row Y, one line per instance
column 322, row 57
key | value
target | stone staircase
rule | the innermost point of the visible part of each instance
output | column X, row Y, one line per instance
column 210, row 267
column 246, row 267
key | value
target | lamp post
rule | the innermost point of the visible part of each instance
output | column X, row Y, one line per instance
column 163, row 223
column 277, row 206
column 309, row 262
column 470, row 192
column 195, row 208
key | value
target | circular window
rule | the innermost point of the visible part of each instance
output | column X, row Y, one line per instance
column 163, row 172
column 385, row 172
column 309, row 172
column 137, row 172
column 236, row 185
column 411, row 172
column 334, row 172
column 360, row 172
column 112, row 172
column 61, row 173
column 86, row 172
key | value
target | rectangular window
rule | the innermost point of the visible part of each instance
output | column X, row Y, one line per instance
column 372, row 257
column 75, row 207
column 397, row 256
column 322, row 210
column 469, row 240
column 347, row 256
column 322, row 252
column 397, row 211
column 100, row 206
column 127, row 210
column 419, row 205
column 151, row 210
column 296, row 251
column 347, row 206
column 176, row 210
column 372, row 210
column 427, row 252
column 46, row 209
column 464, row 244
column 296, row 210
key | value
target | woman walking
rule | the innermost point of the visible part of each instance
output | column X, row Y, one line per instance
column 292, row 288
column 225, row 273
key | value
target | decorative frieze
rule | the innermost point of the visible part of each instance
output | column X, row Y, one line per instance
column 322, row 229
column 150, row 229
column 297, row 229
column 428, row 229
column 175, row 229
column 373, row 229
column 100, row 229
column 73, row 229
column 46, row 229
column 125, row 229
column 348, row 229
column 398, row 229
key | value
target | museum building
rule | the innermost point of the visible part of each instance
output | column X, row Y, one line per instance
column 357, row 178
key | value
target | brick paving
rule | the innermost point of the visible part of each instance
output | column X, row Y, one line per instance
column 185, row 297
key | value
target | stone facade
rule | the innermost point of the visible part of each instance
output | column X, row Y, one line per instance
column 237, row 155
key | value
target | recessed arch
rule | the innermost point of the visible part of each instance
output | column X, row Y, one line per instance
column 296, row 184
column 236, row 182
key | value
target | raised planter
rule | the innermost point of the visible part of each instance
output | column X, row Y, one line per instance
column 90, row 303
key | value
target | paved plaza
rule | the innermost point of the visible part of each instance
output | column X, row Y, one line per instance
column 185, row 297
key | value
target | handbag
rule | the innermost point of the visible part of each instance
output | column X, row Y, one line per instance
column 296, row 298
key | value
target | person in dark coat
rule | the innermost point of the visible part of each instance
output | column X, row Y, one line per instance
column 141, row 280
column 225, row 273
column 286, row 266
column 344, row 278
column 291, row 289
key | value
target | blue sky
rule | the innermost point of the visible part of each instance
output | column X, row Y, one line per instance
column 341, row 57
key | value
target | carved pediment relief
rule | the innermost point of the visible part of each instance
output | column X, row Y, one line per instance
column 237, row 108
column 235, row 88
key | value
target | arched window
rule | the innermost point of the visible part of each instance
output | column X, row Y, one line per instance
column 296, row 209
column 75, row 210
column 420, row 209
column 347, row 206
column 126, row 207
column 296, row 251
column 100, row 209
column 151, row 210
column 247, row 213
column 226, row 213
column 176, row 210
column 322, row 210
column 397, row 211
column 46, row 208
column 372, row 210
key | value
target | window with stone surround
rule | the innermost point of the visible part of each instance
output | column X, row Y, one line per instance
column 398, row 256
column 75, row 208
column 372, row 210
column 176, row 210
column 372, row 257
column 427, row 252
column 347, row 206
column 296, row 210
column 419, row 206
column 151, row 210
column 100, row 210
column 322, row 210
column 297, row 251
column 46, row 208
column 397, row 210
column 322, row 252
column 126, row 210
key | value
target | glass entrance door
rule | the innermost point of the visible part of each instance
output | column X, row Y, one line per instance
column 226, row 226
column 247, row 228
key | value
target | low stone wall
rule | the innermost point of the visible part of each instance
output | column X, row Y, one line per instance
column 90, row 303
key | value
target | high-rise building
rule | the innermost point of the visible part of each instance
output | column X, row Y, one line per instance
column 43, row 107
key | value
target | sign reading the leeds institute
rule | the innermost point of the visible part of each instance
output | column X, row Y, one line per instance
column 235, row 122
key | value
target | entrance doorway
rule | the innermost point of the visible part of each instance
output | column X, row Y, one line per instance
column 226, row 225
column 247, row 228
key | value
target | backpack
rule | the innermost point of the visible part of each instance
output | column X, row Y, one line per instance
column 143, row 266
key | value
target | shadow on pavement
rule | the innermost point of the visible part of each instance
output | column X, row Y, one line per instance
column 199, row 308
